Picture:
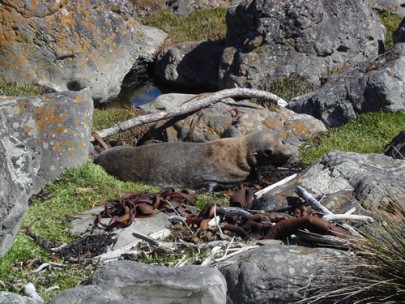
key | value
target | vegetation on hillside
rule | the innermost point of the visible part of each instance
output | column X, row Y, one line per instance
column 369, row 133
column 200, row 25
column 14, row 89
column 391, row 23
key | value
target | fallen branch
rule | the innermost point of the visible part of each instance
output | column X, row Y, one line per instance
column 260, row 193
column 204, row 102
column 313, row 202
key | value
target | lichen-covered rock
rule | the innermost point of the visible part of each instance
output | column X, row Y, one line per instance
column 13, row 298
column 133, row 282
column 230, row 119
column 267, row 40
column 344, row 180
column 72, row 44
column 39, row 138
column 367, row 87
column 192, row 65
column 281, row 274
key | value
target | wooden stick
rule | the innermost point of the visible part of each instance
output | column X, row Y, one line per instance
column 204, row 102
column 334, row 217
column 312, row 201
column 211, row 256
column 260, row 193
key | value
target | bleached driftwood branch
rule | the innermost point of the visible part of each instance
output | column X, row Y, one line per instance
column 200, row 102
column 260, row 193
column 329, row 215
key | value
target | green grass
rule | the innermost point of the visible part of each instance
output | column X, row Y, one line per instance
column 200, row 25
column 369, row 133
column 75, row 191
column 14, row 89
column 391, row 23
column 289, row 87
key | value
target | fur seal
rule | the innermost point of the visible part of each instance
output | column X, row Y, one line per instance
column 191, row 165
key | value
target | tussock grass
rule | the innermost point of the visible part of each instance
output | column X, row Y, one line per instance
column 379, row 274
column 369, row 133
column 200, row 25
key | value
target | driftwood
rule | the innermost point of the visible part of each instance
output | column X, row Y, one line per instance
column 201, row 101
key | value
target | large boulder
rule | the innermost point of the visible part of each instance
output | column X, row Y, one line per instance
column 230, row 118
column 367, row 87
column 192, row 65
column 72, row 44
column 281, row 274
column 268, row 40
column 133, row 282
column 344, row 180
column 39, row 138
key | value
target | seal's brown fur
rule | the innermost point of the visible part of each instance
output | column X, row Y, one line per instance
column 182, row 164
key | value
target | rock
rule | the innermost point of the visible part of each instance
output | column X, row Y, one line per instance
column 192, row 65
column 399, row 35
column 392, row 6
column 13, row 298
column 39, row 138
column 84, row 222
column 281, row 274
column 269, row 40
column 230, row 119
column 396, row 148
column 344, row 180
column 367, row 87
column 133, row 282
column 186, row 7
column 72, row 44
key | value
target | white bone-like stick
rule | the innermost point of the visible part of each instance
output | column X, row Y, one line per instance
column 211, row 256
column 260, row 193
column 312, row 200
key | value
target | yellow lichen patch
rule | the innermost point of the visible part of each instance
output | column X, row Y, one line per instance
column 283, row 134
column 27, row 129
column 46, row 119
column 301, row 128
column 272, row 123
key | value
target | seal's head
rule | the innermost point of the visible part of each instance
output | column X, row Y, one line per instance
column 266, row 149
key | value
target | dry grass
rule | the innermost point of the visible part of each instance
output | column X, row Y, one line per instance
column 379, row 274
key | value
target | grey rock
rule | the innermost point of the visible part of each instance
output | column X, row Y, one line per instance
column 193, row 65
column 280, row 274
column 268, row 40
column 392, row 6
column 344, row 180
column 13, row 298
column 133, row 282
column 71, row 45
column 396, row 148
column 83, row 224
column 230, row 119
column 39, row 138
column 399, row 35
column 367, row 87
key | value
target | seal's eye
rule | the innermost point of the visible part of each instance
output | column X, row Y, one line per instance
column 268, row 152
